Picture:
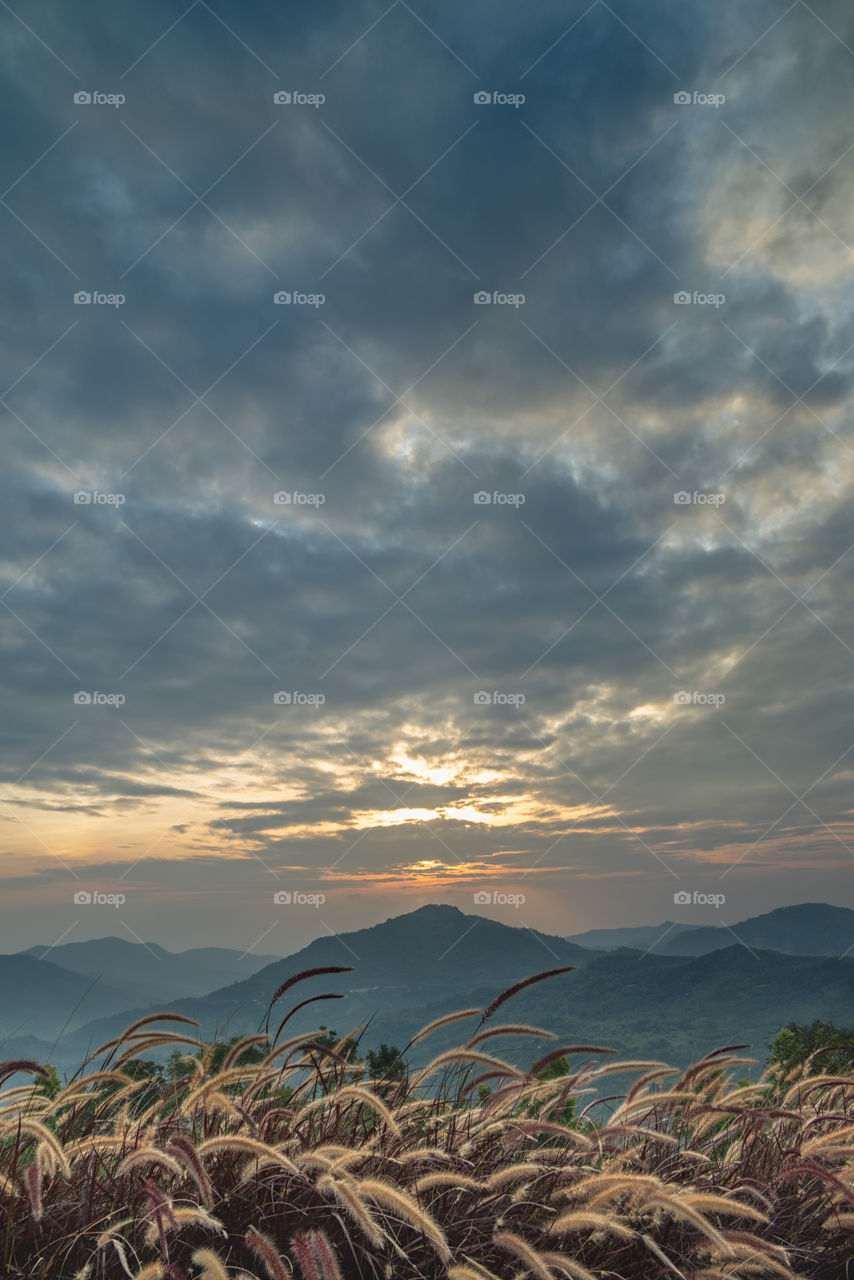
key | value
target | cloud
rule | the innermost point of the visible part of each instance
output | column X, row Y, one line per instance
column 581, row 586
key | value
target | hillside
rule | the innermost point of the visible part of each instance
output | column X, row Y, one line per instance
column 419, row 966
column 37, row 998
column 148, row 973
column 809, row 929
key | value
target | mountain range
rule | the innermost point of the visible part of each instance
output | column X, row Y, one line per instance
column 809, row 929
column 413, row 968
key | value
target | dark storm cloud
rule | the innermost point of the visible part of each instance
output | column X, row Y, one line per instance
column 197, row 597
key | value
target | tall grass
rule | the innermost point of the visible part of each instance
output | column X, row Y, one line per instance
column 296, row 1167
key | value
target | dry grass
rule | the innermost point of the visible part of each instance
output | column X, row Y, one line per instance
column 228, row 1178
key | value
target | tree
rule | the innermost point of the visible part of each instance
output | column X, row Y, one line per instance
column 386, row 1063
column 792, row 1046
column 49, row 1084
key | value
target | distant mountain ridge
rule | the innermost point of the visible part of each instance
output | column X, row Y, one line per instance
column 148, row 972
column 643, row 937
column 807, row 929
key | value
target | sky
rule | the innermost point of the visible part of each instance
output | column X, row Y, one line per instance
column 427, row 465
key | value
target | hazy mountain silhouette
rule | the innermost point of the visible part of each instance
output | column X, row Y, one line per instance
column 149, row 973
column 641, row 937
column 37, row 998
column 809, row 929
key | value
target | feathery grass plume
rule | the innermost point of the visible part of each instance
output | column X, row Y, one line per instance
column 450, row 1181
column 130, row 1032
column 678, row 1207
column 248, row 1042
column 327, row 995
column 210, row 1264
column 402, row 1203
column 33, row 1187
column 511, row 1029
column 360, row 1093
column 13, row 1065
column 521, row 1172
column 520, row 986
column 514, row 1244
column 585, row 1220
column 347, row 1195
column 467, row 1055
column 262, row 1246
column 151, row 1271
column 444, row 1021
column 238, row 1142
column 315, row 1256
column 301, row 977
column 183, row 1216
column 187, row 1155
column 566, row 1051
column 149, row 1155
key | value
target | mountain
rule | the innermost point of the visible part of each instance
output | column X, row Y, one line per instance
column 37, row 998
column 809, row 929
column 433, row 954
column 422, row 965
column 148, row 973
column 642, row 938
